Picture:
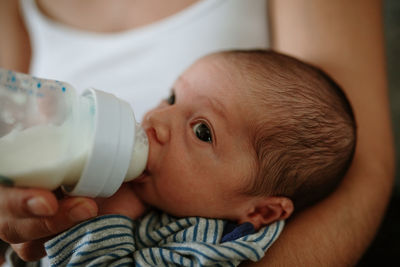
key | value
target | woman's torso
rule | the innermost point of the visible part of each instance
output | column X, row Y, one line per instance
column 137, row 60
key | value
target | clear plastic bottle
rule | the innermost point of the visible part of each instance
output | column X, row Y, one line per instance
column 50, row 136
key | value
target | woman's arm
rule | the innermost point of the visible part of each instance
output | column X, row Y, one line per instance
column 345, row 38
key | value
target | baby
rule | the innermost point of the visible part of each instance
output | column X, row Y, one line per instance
column 244, row 137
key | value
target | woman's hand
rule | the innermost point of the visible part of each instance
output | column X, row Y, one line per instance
column 29, row 217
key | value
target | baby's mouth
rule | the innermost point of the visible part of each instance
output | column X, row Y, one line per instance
column 142, row 177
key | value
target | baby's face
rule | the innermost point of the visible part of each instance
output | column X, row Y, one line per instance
column 200, row 155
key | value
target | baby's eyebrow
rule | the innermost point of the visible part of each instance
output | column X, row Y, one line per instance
column 217, row 106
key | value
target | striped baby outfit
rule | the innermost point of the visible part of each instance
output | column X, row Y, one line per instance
column 157, row 239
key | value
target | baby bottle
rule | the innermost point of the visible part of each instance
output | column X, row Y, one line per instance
column 50, row 136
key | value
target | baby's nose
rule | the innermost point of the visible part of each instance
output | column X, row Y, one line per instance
column 157, row 127
column 162, row 134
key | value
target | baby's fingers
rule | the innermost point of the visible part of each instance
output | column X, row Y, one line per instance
column 71, row 211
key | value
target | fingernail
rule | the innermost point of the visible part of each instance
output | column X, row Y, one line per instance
column 38, row 206
column 81, row 212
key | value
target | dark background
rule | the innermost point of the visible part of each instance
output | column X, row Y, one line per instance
column 385, row 250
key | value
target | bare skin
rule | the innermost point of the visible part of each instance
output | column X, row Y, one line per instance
column 122, row 15
column 345, row 38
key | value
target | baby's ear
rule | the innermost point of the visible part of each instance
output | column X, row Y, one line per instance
column 267, row 210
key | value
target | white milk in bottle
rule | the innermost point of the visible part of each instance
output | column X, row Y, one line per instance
column 50, row 136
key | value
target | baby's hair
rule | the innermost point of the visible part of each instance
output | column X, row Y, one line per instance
column 304, row 131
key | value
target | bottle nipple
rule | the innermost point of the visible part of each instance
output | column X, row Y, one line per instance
column 139, row 154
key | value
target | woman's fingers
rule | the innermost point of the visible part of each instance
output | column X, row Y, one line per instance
column 70, row 212
column 29, row 217
column 24, row 203
column 30, row 214
column 32, row 250
column 38, row 230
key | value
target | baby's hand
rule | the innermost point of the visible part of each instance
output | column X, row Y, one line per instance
column 124, row 202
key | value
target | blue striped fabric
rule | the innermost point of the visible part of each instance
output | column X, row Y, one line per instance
column 156, row 240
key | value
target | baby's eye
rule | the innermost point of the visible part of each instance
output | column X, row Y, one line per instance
column 203, row 132
column 171, row 98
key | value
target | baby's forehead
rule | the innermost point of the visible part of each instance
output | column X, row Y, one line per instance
column 219, row 61
column 216, row 75
column 210, row 72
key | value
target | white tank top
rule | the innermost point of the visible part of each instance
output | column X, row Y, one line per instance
column 140, row 65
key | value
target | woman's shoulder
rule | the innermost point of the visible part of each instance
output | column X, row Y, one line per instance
column 14, row 44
